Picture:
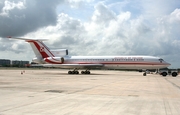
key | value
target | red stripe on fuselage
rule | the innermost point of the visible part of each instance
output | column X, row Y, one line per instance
column 111, row 63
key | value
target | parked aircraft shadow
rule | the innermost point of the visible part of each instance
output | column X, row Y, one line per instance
column 50, row 73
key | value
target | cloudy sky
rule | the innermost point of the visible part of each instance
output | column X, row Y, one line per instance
column 92, row 27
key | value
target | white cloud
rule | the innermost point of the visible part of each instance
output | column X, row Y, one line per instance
column 24, row 16
column 175, row 16
column 8, row 6
column 77, row 3
column 102, row 14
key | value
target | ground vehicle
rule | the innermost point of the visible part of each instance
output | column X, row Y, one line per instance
column 165, row 72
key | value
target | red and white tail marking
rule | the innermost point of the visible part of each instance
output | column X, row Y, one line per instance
column 41, row 48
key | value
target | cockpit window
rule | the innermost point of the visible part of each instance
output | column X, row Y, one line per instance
column 161, row 60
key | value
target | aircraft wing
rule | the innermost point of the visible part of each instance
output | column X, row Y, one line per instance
column 74, row 65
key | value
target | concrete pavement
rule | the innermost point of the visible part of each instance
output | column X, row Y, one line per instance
column 54, row 92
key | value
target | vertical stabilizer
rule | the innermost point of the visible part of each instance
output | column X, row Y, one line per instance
column 40, row 49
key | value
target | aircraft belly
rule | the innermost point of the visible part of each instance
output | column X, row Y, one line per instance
column 110, row 66
column 133, row 66
column 74, row 65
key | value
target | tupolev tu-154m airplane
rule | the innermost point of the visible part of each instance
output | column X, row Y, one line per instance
column 60, row 58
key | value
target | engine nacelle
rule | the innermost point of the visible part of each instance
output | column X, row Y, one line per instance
column 54, row 60
column 59, row 52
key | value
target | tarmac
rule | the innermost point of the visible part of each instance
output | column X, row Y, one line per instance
column 104, row 92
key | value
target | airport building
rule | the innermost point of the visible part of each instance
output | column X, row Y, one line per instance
column 5, row 63
column 18, row 63
column 14, row 63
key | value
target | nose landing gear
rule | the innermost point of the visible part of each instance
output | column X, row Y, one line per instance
column 144, row 74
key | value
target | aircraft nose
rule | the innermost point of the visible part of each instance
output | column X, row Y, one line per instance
column 167, row 64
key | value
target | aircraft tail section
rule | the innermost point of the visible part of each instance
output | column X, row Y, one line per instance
column 40, row 49
column 43, row 53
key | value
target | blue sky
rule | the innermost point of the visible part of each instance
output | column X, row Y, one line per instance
column 93, row 27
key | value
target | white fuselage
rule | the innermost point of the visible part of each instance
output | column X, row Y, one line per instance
column 116, row 62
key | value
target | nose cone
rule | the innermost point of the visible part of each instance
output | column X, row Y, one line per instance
column 167, row 64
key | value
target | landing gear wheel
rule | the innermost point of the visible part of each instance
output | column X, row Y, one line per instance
column 174, row 74
column 87, row 72
column 73, row 72
column 82, row 72
column 144, row 74
column 76, row 72
column 69, row 72
column 164, row 74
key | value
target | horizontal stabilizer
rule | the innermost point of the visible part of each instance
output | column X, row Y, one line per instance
column 27, row 39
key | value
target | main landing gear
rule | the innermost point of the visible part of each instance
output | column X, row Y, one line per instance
column 75, row 71
column 85, row 72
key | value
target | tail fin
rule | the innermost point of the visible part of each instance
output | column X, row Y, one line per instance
column 40, row 49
